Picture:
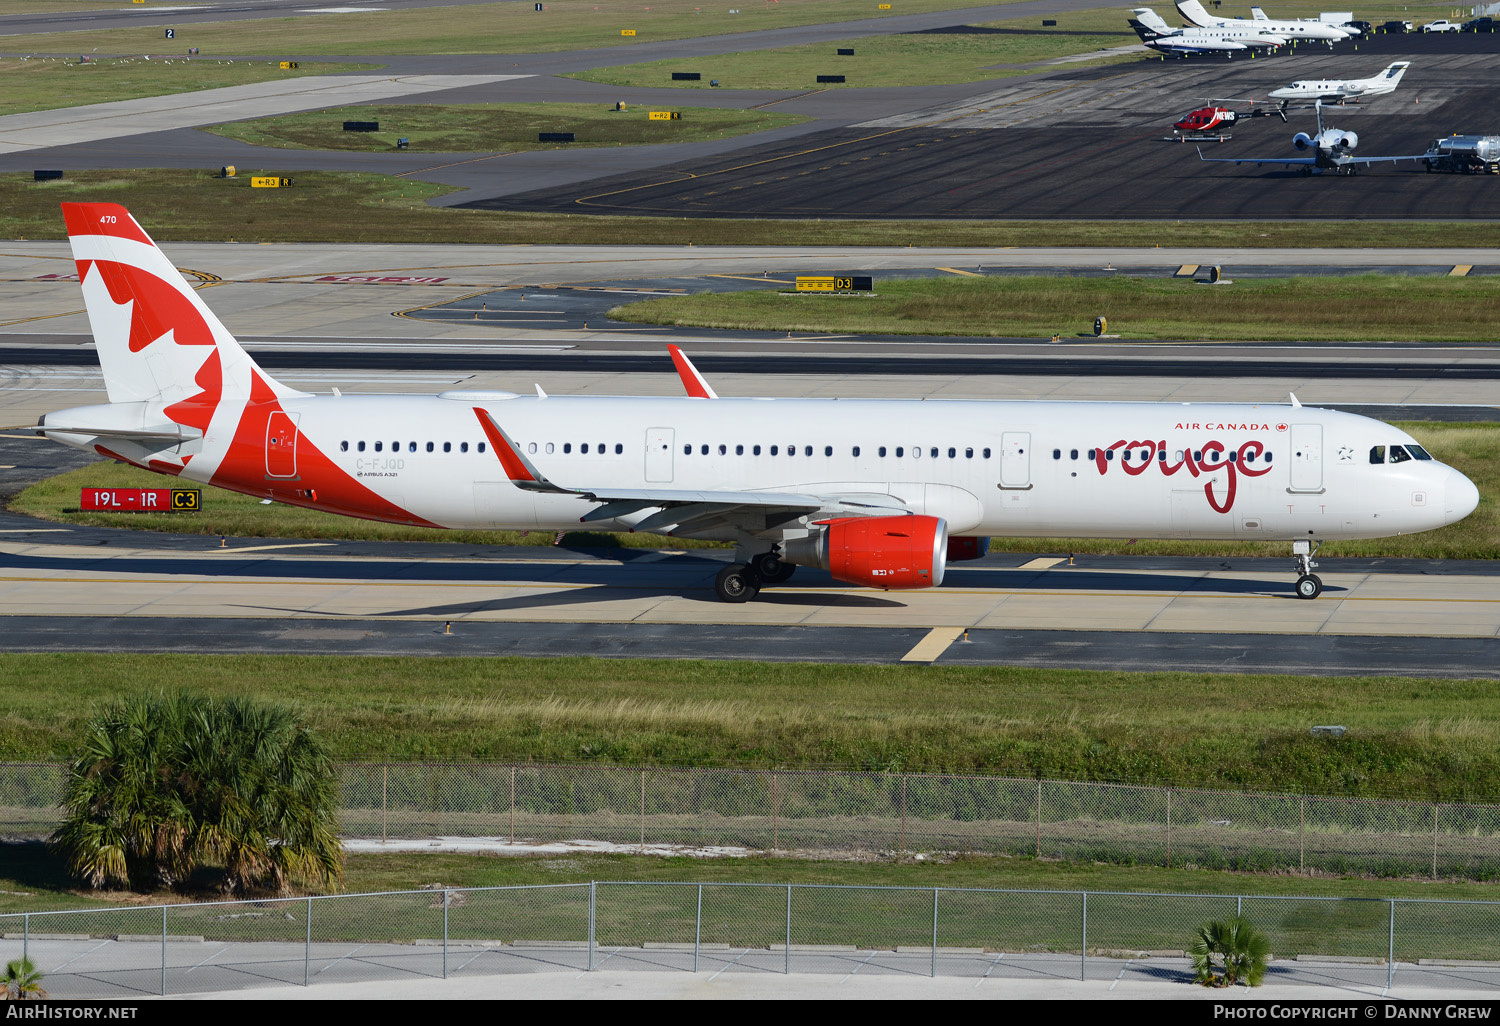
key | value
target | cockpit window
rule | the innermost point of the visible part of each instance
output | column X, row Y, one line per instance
column 1418, row 452
column 1398, row 454
column 1377, row 454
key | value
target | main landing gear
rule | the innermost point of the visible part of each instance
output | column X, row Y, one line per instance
column 741, row 582
column 1309, row 584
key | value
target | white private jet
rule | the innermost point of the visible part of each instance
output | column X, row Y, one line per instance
column 1293, row 29
column 880, row 493
column 1339, row 90
column 1332, row 150
column 1157, row 34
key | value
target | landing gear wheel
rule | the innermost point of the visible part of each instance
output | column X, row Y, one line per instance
column 770, row 568
column 1309, row 586
column 736, row 583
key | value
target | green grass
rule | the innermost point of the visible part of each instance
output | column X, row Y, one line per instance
column 914, row 59
column 1422, row 739
column 49, row 83
column 511, row 127
column 1472, row 448
column 1368, row 307
column 483, row 28
column 328, row 206
column 243, row 516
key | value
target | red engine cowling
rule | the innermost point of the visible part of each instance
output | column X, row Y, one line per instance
column 960, row 549
column 892, row 553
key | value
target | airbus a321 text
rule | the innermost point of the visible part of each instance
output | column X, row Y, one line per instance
column 879, row 493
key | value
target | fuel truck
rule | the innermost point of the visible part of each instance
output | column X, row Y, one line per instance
column 1469, row 154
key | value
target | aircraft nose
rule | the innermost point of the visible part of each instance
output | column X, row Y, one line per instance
column 1460, row 497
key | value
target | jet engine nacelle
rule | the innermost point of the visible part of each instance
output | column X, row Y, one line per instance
column 1302, row 140
column 892, row 553
column 960, row 549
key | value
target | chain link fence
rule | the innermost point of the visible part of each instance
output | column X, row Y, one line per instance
column 405, row 938
column 860, row 811
column 767, row 810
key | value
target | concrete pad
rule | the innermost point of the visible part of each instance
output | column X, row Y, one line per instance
column 98, row 121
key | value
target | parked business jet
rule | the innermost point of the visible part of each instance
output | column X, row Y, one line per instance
column 1293, row 29
column 1228, row 40
column 1332, row 150
column 879, row 493
column 1339, row 90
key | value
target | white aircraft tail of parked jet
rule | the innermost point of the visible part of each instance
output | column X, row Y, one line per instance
column 882, row 493
column 1340, row 89
column 1293, row 29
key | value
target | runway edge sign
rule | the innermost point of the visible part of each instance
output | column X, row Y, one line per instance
column 140, row 500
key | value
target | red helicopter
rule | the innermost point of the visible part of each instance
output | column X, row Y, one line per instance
column 1207, row 118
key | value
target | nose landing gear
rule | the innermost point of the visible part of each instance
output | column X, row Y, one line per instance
column 1309, row 584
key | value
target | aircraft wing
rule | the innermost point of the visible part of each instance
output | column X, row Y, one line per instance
column 1382, row 160
column 683, row 511
column 1257, row 161
column 1303, row 161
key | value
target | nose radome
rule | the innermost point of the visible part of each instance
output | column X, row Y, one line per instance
column 1460, row 497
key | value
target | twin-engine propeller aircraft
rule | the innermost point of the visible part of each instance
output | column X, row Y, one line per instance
column 879, row 493
column 1340, row 90
column 1332, row 150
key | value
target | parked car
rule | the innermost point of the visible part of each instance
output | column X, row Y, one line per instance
column 1479, row 25
column 1365, row 28
column 1441, row 25
column 1395, row 26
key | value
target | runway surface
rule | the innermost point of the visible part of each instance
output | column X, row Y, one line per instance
column 68, row 588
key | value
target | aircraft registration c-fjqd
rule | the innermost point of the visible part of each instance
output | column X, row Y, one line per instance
column 882, row 493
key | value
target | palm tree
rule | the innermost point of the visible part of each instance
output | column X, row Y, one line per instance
column 1226, row 952
column 161, row 785
column 22, row 980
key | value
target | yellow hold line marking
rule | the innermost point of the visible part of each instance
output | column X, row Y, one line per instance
column 933, row 645
column 955, row 270
column 1041, row 563
column 1460, row 270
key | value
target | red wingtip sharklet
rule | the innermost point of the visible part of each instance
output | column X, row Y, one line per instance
column 517, row 467
column 696, row 386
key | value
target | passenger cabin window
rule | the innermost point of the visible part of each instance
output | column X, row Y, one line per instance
column 855, row 451
column 463, row 446
column 343, row 447
column 378, row 445
column 429, row 446
column 447, row 446
column 880, row 452
column 755, row 450
column 619, row 448
column 986, row 454
column 360, row 446
column 480, row 447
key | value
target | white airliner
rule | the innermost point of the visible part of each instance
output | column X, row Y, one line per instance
column 1341, row 89
column 1157, row 34
column 879, row 493
column 1293, row 29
